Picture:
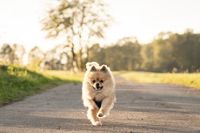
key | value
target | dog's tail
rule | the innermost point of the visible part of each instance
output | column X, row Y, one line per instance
column 90, row 64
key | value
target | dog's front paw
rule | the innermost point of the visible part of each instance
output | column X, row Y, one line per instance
column 100, row 114
column 97, row 123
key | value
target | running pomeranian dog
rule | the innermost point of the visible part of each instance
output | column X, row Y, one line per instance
column 98, row 92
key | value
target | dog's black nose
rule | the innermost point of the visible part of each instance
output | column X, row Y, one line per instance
column 97, row 85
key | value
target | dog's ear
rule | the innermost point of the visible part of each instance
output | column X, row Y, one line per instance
column 104, row 68
column 93, row 69
column 90, row 64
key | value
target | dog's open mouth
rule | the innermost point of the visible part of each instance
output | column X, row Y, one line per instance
column 98, row 89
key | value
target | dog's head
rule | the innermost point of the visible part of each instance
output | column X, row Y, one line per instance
column 98, row 77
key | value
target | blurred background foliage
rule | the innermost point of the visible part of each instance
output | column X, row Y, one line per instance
column 168, row 52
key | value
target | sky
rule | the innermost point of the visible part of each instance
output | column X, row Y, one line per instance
column 143, row 19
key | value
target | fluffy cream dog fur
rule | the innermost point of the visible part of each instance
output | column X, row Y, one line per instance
column 98, row 92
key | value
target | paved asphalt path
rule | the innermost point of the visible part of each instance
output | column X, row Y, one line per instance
column 151, row 108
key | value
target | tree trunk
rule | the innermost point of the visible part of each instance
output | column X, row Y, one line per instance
column 74, row 59
column 87, row 54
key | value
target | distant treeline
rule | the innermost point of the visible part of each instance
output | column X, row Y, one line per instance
column 58, row 58
column 168, row 52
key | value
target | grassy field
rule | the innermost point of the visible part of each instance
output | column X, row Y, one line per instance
column 17, row 83
column 185, row 79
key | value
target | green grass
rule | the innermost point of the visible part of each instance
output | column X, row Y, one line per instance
column 17, row 83
column 185, row 79
column 65, row 75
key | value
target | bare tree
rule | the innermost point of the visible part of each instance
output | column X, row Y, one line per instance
column 7, row 55
column 19, row 51
column 35, row 57
column 80, row 22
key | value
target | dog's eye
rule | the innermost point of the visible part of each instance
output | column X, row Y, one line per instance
column 93, row 81
column 101, row 81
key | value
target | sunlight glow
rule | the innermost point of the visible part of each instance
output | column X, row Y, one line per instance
column 20, row 20
column 144, row 19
